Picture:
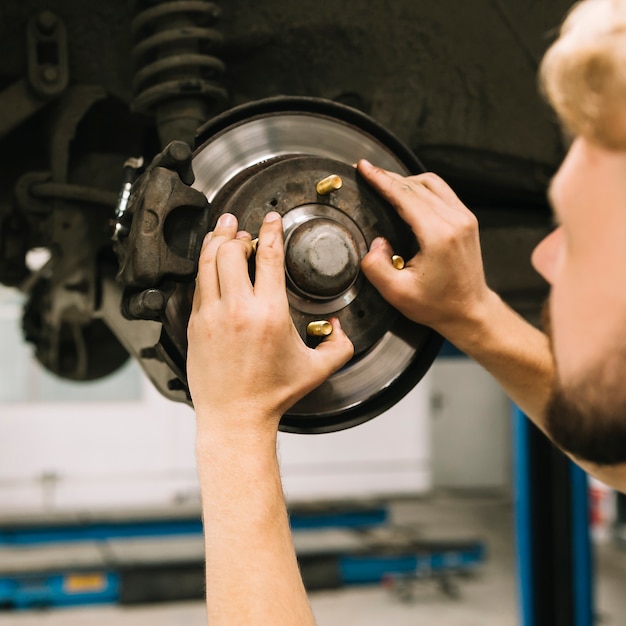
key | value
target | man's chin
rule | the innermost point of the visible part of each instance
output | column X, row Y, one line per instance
column 589, row 426
column 588, row 419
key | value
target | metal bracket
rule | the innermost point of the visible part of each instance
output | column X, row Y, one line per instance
column 48, row 71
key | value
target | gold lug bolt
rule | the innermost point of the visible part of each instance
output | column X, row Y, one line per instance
column 255, row 243
column 328, row 184
column 321, row 328
column 398, row 261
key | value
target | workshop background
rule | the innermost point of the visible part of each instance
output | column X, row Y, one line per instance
column 99, row 504
column 431, row 512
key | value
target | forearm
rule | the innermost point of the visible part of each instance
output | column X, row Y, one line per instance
column 514, row 352
column 252, row 575
column 518, row 356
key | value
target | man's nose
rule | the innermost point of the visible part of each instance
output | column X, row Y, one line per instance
column 545, row 256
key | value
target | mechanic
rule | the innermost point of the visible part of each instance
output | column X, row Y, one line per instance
column 242, row 340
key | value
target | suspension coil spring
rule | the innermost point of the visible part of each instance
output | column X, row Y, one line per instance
column 174, row 52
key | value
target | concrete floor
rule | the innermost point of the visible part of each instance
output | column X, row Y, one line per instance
column 488, row 597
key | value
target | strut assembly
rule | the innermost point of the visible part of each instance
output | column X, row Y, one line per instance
column 178, row 71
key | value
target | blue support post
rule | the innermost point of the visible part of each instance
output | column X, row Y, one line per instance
column 554, row 556
column 583, row 553
column 523, row 534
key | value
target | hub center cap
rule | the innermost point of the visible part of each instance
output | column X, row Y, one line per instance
column 322, row 258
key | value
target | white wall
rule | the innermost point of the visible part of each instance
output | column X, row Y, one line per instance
column 389, row 455
column 117, row 444
column 471, row 427
column 81, row 447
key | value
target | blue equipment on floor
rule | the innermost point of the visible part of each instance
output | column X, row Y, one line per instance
column 93, row 562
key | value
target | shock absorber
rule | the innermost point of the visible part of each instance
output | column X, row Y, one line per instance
column 178, row 75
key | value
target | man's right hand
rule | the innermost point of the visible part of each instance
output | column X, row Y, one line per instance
column 443, row 286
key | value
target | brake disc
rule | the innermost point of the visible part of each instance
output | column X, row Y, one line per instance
column 269, row 156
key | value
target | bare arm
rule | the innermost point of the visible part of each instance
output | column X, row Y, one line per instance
column 444, row 287
column 247, row 365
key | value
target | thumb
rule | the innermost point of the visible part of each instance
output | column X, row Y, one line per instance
column 336, row 349
column 379, row 270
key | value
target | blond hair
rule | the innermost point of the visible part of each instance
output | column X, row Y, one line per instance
column 583, row 73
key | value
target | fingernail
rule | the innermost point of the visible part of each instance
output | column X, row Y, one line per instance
column 377, row 243
column 272, row 216
column 227, row 219
column 365, row 163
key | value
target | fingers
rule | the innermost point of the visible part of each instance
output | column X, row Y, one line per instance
column 437, row 186
column 208, row 286
column 208, row 279
column 388, row 184
column 379, row 269
column 270, row 257
column 428, row 180
column 222, row 267
column 422, row 200
column 336, row 349
column 232, row 269
column 242, row 234
column 404, row 195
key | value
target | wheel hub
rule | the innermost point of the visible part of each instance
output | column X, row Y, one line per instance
column 321, row 258
column 271, row 156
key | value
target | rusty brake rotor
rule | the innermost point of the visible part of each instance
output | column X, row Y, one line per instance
column 271, row 156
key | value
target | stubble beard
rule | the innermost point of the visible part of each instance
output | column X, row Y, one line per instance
column 587, row 417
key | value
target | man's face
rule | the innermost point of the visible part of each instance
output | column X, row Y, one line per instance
column 584, row 260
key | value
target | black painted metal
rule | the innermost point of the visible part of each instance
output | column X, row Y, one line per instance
column 553, row 556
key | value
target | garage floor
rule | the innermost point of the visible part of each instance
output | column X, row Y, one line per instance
column 488, row 597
